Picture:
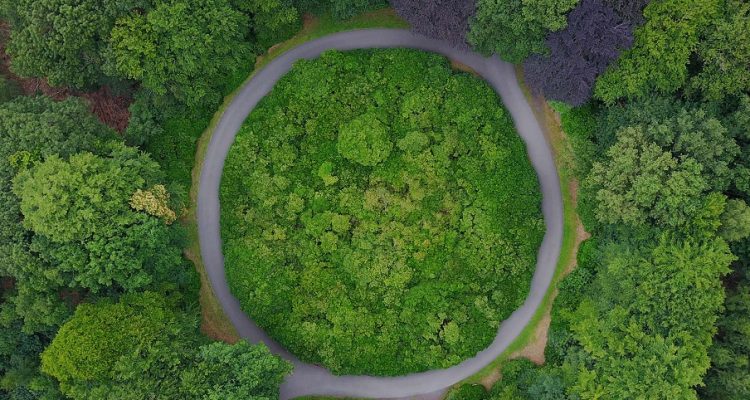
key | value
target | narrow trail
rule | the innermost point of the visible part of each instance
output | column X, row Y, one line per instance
column 310, row 379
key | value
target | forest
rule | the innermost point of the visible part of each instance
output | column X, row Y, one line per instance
column 389, row 232
column 102, row 103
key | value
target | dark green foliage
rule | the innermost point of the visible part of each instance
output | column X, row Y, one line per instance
column 86, row 228
column 658, row 60
column 515, row 29
column 729, row 376
column 273, row 21
column 666, row 157
column 182, row 49
column 93, row 356
column 399, row 251
column 468, row 392
column 8, row 89
column 339, row 9
column 63, row 40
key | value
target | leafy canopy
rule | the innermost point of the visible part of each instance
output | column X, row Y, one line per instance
column 389, row 231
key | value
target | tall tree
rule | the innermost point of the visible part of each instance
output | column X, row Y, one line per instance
column 186, row 49
column 80, row 210
column 648, row 330
column 63, row 40
column 515, row 29
column 594, row 37
column 141, row 346
column 658, row 60
column 31, row 130
column 725, row 53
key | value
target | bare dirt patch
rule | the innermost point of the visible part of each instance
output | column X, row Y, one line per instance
column 110, row 108
column 551, row 124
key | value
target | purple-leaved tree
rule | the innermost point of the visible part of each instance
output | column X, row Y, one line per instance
column 578, row 54
column 441, row 19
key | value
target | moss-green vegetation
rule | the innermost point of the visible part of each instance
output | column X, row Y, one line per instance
column 390, row 231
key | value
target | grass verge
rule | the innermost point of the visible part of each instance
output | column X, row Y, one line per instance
column 568, row 184
column 214, row 323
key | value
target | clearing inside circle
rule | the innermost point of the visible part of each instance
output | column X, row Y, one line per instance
column 379, row 213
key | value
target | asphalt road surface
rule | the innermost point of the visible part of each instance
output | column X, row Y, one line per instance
column 310, row 379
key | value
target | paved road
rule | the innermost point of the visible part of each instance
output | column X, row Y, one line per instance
column 313, row 380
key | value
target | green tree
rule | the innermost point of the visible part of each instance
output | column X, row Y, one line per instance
column 735, row 221
column 63, row 40
column 237, row 372
column 725, row 53
column 648, row 329
column 9, row 89
column 640, row 183
column 514, row 29
column 658, row 60
column 273, row 20
column 142, row 346
column 33, row 129
column 186, row 49
column 729, row 376
column 80, row 210
column 364, row 140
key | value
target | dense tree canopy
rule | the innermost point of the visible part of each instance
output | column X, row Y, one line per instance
column 390, row 231
column 80, row 209
column 658, row 60
column 637, row 346
column 181, row 48
column 63, row 40
column 443, row 19
column 141, row 345
column 594, row 37
column 725, row 53
column 729, row 377
column 32, row 129
column 666, row 157
column 515, row 29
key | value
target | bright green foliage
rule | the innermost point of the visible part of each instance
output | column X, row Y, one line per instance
column 514, row 29
column 665, row 158
column 658, row 60
column 390, row 231
column 647, row 331
column 238, row 372
column 181, row 48
column 32, row 129
column 725, row 53
column 63, row 40
column 641, row 183
column 729, row 376
column 80, row 210
column 364, row 140
column 735, row 221
column 141, row 346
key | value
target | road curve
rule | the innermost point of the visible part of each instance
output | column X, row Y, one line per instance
column 314, row 380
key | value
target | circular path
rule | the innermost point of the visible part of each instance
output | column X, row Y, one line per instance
column 310, row 379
